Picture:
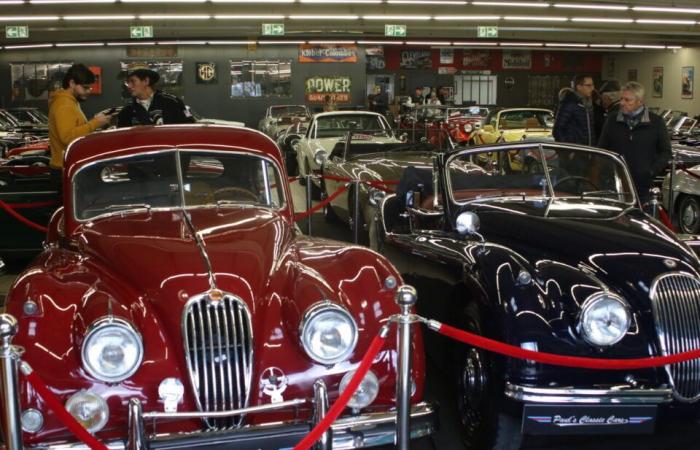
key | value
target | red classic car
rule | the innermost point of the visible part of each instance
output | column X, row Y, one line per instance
column 436, row 122
column 175, row 283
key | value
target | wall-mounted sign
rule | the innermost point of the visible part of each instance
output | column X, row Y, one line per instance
column 415, row 59
column 316, row 89
column 476, row 58
column 657, row 82
column 395, row 30
column 273, row 29
column 16, row 31
column 141, row 32
column 487, row 32
column 447, row 56
column 206, row 73
column 97, row 85
column 517, row 59
column 327, row 53
column 447, row 70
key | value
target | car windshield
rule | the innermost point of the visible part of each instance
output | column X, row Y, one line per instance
column 467, row 112
column 28, row 116
column 527, row 118
column 289, row 110
column 519, row 172
column 143, row 182
column 360, row 146
column 339, row 124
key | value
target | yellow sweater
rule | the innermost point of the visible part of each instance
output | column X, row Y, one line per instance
column 66, row 123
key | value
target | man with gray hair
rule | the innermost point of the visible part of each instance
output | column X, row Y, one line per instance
column 639, row 136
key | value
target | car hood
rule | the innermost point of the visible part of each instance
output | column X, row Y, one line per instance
column 156, row 254
column 390, row 165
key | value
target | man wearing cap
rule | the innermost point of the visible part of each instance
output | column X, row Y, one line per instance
column 150, row 106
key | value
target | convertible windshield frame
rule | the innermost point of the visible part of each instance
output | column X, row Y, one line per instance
column 181, row 203
column 313, row 129
column 540, row 147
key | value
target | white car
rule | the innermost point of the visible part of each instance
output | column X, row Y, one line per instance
column 327, row 129
column 210, row 121
column 279, row 117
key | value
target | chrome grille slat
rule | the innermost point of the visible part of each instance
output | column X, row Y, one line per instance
column 675, row 300
column 218, row 346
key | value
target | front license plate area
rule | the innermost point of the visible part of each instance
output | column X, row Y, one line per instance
column 588, row 419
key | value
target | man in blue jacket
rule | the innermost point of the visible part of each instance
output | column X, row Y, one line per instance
column 575, row 121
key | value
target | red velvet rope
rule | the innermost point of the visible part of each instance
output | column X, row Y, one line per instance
column 663, row 217
column 342, row 401
column 64, row 416
column 578, row 362
column 10, row 210
column 320, row 205
column 683, row 169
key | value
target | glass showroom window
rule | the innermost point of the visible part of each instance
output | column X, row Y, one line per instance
column 261, row 78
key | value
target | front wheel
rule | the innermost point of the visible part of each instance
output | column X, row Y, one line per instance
column 689, row 215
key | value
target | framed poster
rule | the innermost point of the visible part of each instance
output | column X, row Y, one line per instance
column 513, row 59
column 415, row 59
column 631, row 74
column 316, row 88
column 687, row 81
column 447, row 56
column 476, row 58
column 657, row 81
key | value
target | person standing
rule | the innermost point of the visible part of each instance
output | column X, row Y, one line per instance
column 67, row 121
column 150, row 106
column 610, row 97
column 417, row 98
column 575, row 122
column 380, row 101
column 639, row 136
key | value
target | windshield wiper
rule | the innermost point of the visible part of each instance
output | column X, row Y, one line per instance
column 128, row 206
column 603, row 192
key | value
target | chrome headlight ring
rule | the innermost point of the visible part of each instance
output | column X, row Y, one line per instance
column 112, row 350
column 604, row 319
column 328, row 333
column 376, row 196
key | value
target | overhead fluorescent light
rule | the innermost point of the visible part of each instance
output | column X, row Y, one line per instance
column 564, row 44
column 250, row 16
column 17, row 47
column 591, row 6
column 115, row 44
column 601, row 20
column 394, row 17
column 230, row 42
column 427, row 2
column 674, row 47
column 331, row 42
column 80, row 44
column 537, row 18
column 340, row 1
column 658, row 47
column 181, row 42
column 281, row 42
column 252, row 1
column 12, row 2
column 162, row 1
column 174, row 17
column 473, row 43
column 515, row 4
column 64, row 2
column 322, row 17
column 100, row 17
column 520, row 44
column 666, row 22
column 467, row 18
column 666, row 10
column 380, row 42
column 606, row 45
column 27, row 18
column 434, row 43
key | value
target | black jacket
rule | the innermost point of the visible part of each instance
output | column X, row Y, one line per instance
column 574, row 123
column 164, row 109
column 646, row 147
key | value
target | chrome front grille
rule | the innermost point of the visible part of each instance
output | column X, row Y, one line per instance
column 675, row 300
column 219, row 350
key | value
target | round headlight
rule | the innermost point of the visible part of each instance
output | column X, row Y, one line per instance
column 468, row 127
column 320, row 157
column 328, row 333
column 376, row 196
column 366, row 392
column 112, row 350
column 604, row 319
column 89, row 409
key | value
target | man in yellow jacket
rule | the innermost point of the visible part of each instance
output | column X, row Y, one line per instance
column 66, row 120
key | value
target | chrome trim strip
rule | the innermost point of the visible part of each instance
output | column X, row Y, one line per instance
column 221, row 414
column 613, row 395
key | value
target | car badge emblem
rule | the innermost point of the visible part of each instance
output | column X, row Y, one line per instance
column 215, row 296
column 274, row 383
column 670, row 263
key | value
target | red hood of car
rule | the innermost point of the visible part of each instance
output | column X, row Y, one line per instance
column 158, row 256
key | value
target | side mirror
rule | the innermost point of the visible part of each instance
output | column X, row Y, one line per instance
column 468, row 223
column 488, row 128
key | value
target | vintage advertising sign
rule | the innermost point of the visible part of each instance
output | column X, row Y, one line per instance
column 316, row 88
column 513, row 59
column 416, row 59
column 476, row 58
column 588, row 419
column 310, row 53
column 206, row 73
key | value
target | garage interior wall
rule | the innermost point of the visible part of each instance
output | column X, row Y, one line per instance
column 208, row 100
column 619, row 65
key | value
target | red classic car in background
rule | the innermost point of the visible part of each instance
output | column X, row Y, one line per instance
column 437, row 122
column 174, row 280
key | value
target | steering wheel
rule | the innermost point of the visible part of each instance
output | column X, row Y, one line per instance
column 235, row 190
column 578, row 180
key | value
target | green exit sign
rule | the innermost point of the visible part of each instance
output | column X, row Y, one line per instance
column 395, row 30
column 273, row 29
column 141, row 32
column 487, row 32
column 16, row 32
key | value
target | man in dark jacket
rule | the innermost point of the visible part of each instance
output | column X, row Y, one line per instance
column 639, row 136
column 149, row 106
column 575, row 122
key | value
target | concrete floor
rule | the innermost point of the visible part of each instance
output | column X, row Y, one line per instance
column 671, row 434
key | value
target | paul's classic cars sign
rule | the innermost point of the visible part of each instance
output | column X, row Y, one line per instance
column 309, row 53
column 316, row 88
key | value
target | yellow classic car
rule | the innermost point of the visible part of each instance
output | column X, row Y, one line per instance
column 516, row 124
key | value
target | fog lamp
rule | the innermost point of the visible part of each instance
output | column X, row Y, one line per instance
column 32, row 420
column 366, row 392
column 89, row 409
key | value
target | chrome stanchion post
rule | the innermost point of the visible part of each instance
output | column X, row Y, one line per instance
column 406, row 297
column 9, row 361
column 654, row 202
column 309, row 201
column 356, row 212
column 670, row 187
column 320, row 411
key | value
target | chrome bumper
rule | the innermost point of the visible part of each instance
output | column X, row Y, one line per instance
column 613, row 395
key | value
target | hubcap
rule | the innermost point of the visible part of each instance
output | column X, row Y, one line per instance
column 689, row 217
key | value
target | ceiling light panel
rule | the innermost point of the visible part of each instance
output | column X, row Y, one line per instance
column 474, row 44
column 390, row 17
column 231, row 42
column 116, row 44
column 667, row 10
column 513, row 4
column 591, row 6
column 521, row 44
column 68, row 2
column 380, row 42
column 252, row 1
column 606, row 45
column 655, row 47
column 342, row 1
column 174, row 16
column 80, row 44
column 331, row 42
column 100, row 17
column 27, row 18
column 665, row 22
column 432, row 43
column 537, row 18
column 484, row 18
column 18, row 47
column 564, row 44
column 322, row 17
column 600, row 20
column 250, row 16
column 281, row 42
column 427, row 2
